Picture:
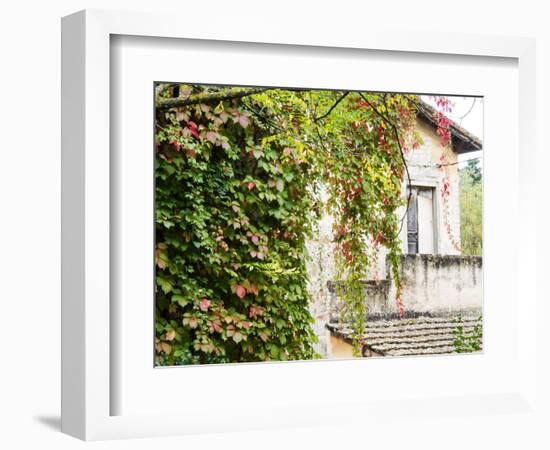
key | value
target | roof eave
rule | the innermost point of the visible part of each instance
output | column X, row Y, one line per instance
column 462, row 140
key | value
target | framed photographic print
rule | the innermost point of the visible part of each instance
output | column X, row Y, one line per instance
column 279, row 211
column 289, row 227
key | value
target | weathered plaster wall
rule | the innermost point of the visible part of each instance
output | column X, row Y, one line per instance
column 437, row 284
column 321, row 271
column 339, row 348
column 424, row 172
column 432, row 285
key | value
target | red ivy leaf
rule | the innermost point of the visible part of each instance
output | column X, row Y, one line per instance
column 166, row 348
column 204, row 304
column 193, row 129
column 244, row 121
column 181, row 116
column 240, row 291
column 211, row 137
column 177, row 145
column 255, row 311
column 216, row 325
column 160, row 262
column 170, row 335
column 254, row 289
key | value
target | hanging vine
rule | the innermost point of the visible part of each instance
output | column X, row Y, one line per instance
column 364, row 170
column 444, row 131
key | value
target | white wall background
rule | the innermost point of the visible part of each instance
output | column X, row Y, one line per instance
column 30, row 196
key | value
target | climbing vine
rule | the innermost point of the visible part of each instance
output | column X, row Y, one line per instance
column 240, row 174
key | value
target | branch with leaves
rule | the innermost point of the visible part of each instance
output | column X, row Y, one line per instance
column 206, row 97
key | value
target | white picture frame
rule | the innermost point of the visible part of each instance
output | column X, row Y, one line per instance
column 87, row 383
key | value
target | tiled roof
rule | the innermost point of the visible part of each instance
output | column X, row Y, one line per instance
column 407, row 337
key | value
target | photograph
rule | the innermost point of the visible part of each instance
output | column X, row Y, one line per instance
column 296, row 224
column 275, row 224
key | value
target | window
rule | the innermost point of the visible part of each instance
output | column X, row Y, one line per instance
column 420, row 220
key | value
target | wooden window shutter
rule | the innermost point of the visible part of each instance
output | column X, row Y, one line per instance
column 412, row 222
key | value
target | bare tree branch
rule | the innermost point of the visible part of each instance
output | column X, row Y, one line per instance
column 461, row 118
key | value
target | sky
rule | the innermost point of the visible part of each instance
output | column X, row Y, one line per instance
column 468, row 113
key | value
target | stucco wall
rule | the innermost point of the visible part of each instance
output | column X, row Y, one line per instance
column 422, row 164
column 432, row 284
column 320, row 268
column 437, row 284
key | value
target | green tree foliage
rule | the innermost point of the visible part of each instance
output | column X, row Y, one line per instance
column 238, row 178
column 473, row 169
column 471, row 212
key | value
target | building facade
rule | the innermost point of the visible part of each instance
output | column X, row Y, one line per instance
column 437, row 280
